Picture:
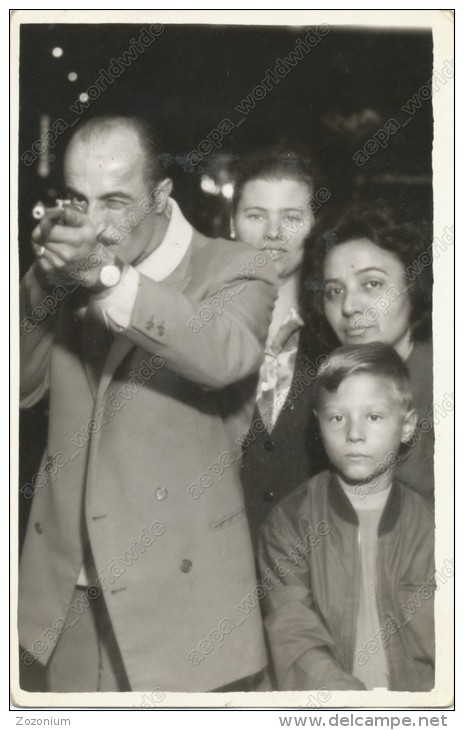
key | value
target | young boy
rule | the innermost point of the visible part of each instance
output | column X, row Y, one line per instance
column 351, row 551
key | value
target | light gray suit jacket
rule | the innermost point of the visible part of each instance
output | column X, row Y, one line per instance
column 145, row 462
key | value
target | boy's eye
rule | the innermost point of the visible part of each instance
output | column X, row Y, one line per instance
column 336, row 417
column 375, row 417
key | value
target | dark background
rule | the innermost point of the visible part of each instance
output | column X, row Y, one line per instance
column 192, row 77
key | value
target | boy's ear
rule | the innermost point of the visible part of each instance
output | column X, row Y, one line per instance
column 409, row 425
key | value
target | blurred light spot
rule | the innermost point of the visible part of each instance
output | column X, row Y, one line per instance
column 43, row 167
column 72, row 76
column 208, row 185
column 83, row 97
column 227, row 190
column 57, row 52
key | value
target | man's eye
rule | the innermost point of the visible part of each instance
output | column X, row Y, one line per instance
column 375, row 417
column 115, row 204
column 78, row 201
column 254, row 216
column 337, row 418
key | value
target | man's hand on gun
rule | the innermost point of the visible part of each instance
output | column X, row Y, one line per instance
column 63, row 239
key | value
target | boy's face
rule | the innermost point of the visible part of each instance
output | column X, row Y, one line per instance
column 363, row 424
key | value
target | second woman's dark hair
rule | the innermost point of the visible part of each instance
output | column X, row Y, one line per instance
column 410, row 244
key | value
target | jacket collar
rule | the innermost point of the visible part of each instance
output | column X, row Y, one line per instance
column 344, row 509
column 167, row 257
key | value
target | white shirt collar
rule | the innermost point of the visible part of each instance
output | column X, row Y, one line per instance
column 172, row 249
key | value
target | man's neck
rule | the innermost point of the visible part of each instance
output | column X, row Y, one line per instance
column 162, row 225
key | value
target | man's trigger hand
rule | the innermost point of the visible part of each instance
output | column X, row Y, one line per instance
column 66, row 243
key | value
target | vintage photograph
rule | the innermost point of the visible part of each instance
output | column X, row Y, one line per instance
column 234, row 250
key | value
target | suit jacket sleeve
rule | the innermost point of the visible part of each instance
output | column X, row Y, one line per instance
column 37, row 328
column 224, row 347
column 301, row 646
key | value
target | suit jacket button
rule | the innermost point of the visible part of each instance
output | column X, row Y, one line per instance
column 268, row 496
column 268, row 445
column 38, row 528
column 160, row 330
column 186, row 565
column 161, row 493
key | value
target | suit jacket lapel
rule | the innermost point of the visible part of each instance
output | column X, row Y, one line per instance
column 179, row 280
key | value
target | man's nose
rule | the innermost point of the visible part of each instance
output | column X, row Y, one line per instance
column 354, row 431
column 97, row 215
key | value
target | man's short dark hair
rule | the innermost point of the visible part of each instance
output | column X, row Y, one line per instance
column 149, row 138
column 374, row 358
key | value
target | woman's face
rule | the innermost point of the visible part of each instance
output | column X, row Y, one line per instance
column 366, row 297
column 275, row 216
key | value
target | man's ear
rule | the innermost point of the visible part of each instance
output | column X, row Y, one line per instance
column 163, row 191
column 409, row 425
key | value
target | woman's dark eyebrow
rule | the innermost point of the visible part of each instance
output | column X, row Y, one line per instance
column 371, row 268
column 358, row 273
column 260, row 207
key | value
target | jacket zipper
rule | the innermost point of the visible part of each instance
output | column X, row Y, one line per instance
column 356, row 586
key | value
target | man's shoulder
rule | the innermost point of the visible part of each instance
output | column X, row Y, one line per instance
column 217, row 253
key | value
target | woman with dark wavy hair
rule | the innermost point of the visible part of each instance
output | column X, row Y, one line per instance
column 368, row 278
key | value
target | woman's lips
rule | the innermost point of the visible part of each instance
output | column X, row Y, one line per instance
column 274, row 252
column 357, row 331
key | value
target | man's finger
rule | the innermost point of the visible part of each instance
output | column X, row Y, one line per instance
column 54, row 218
column 49, row 262
column 38, row 250
column 73, row 216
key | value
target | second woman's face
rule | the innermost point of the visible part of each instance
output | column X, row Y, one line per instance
column 275, row 216
column 366, row 295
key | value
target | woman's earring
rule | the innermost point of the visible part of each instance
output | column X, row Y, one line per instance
column 232, row 231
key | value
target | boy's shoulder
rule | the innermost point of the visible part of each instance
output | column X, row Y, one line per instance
column 415, row 503
column 310, row 498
